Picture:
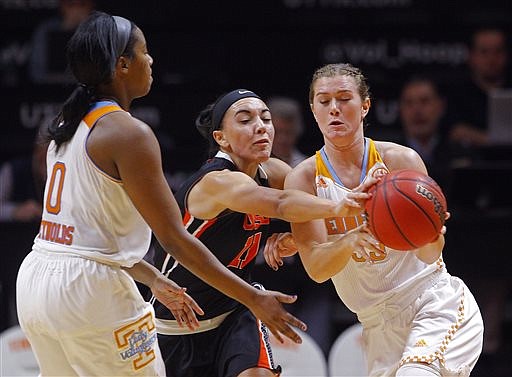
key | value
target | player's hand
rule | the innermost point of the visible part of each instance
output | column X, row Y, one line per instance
column 182, row 306
column 353, row 203
column 267, row 307
column 278, row 246
column 364, row 243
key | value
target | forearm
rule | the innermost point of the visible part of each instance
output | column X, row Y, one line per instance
column 143, row 272
column 298, row 206
column 432, row 251
column 196, row 258
column 324, row 260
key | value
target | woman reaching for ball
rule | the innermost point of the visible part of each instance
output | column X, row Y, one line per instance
column 418, row 320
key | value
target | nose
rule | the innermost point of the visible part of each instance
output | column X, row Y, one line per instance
column 334, row 108
column 261, row 127
column 150, row 60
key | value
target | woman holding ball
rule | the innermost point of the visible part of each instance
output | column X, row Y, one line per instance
column 418, row 320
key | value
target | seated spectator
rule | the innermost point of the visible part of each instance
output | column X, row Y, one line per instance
column 22, row 185
column 288, row 125
column 487, row 70
column 422, row 109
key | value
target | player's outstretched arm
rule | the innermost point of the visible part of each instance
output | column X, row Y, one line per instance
column 137, row 157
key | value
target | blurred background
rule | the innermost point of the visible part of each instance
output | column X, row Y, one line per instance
column 204, row 48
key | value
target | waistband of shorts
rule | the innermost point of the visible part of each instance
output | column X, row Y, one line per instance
column 171, row 327
column 59, row 255
column 397, row 302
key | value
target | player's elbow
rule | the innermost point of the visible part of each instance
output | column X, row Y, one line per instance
column 316, row 273
column 318, row 276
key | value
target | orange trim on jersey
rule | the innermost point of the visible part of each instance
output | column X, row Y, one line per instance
column 188, row 219
column 203, row 227
column 263, row 359
column 96, row 114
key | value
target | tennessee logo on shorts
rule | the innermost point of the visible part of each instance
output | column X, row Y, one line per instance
column 135, row 341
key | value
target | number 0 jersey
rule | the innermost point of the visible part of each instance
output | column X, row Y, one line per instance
column 86, row 212
column 233, row 237
column 360, row 284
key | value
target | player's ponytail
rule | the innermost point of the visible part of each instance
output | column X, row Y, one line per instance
column 92, row 54
column 73, row 110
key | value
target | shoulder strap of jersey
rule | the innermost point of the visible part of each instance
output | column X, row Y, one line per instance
column 100, row 109
column 373, row 155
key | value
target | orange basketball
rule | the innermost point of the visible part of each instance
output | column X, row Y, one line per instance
column 407, row 210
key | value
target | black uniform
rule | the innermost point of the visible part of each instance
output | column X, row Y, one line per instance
column 240, row 341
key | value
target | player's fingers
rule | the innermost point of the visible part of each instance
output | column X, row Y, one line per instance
column 276, row 334
column 268, row 252
column 284, row 298
column 178, row 315
column 193, row 304
column 269, row 259
column 192, row 321
column 352, row 202
column 369, row 182
column 289, row 333
column 360, row 195
column 276, row 254
column 295, row 322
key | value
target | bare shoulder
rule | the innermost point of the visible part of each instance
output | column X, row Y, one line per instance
column 120, row 131
column 397, row 156
column 222, row 180
column 276, row 171
column 302, row 176
column 124, row 127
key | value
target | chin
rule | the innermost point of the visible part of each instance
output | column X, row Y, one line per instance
column 264, row 157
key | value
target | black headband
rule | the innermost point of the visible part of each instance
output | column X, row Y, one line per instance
column 223, row 104
column 124, row 30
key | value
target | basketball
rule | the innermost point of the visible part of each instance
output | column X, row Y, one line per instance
column 407, row 210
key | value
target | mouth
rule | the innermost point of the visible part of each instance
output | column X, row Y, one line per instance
column 262, row 142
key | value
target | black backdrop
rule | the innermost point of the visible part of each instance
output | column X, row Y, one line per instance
column 202, row 48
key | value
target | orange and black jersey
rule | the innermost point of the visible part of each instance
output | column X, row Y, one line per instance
column 233, row 237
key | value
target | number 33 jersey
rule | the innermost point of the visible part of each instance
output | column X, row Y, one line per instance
column 363, row 283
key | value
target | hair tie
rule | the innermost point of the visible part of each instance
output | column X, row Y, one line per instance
column 88, row 89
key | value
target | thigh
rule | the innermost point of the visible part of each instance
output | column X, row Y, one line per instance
column 50, row 354
column 447, row 327
column 121, row 337
column 384, row 345
column 243, row 344
column 190, row 355
column 126, row 349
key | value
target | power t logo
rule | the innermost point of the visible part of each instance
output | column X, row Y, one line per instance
column 135, row 341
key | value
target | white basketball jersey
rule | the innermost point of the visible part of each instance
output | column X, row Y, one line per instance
column 362, row 285
column 86, row 212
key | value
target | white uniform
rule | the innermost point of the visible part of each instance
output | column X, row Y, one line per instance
column 81, row 312
column 411, row 311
